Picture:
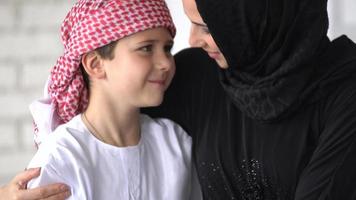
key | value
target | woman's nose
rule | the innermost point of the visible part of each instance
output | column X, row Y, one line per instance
column 196, row 38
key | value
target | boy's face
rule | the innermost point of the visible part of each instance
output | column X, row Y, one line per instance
column 142, row 68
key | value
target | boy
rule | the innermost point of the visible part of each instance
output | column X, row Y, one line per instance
column 116, row 60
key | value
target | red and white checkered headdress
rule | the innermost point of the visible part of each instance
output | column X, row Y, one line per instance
column 91, row 24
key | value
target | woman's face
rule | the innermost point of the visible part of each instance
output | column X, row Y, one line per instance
column 200, row 35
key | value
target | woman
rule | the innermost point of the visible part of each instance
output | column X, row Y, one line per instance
column 277, row 121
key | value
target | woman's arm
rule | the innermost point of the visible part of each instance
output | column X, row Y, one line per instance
column 16, row 189
column 330, row 173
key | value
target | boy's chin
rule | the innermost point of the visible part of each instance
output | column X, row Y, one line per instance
column 153, row 103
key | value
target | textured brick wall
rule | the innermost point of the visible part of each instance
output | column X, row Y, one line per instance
column 29, row 46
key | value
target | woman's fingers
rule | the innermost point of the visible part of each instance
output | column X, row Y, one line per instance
column 24, row 177
column 16, row 189
column 57, row 191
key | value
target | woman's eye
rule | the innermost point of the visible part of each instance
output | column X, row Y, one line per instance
column 206, row 30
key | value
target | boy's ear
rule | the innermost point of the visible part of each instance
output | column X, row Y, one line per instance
column 93, row 65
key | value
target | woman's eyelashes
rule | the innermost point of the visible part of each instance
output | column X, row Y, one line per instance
column 206, row 30
column 202, row 28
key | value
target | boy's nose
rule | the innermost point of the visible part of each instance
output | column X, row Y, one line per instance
column 165, row 62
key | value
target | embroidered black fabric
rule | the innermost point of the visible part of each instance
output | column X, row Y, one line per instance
column 249, row 180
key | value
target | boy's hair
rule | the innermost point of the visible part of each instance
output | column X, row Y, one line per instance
column 106, row 52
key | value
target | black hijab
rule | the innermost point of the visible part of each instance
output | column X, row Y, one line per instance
column 272, row 48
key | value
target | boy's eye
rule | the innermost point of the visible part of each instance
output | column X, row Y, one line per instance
column 147, row 48
column 168, row 48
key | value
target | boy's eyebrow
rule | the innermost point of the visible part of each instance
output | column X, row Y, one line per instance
column 154, row 41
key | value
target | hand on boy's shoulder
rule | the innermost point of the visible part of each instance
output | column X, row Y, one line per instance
column 16, row 189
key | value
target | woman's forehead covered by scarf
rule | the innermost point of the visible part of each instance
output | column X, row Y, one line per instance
column 250, row 31
column 91, row 24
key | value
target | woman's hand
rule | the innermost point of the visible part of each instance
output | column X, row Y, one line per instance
column 16, row 189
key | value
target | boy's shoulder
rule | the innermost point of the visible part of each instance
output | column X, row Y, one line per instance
column 166, row 138
column 66, row 132
column 163, row 127
column 64, row 141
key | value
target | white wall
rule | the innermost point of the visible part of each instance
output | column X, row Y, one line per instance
column 342, row 18
column 30, row 45
column 182, row 23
